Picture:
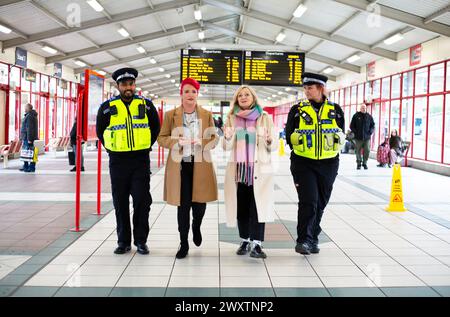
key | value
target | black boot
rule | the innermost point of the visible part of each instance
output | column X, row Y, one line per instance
column 196, row 233
column 183, row 250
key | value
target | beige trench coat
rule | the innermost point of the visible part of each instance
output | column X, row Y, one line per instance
column 263, row 182
column 205, row 181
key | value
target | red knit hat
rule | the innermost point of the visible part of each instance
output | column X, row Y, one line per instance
column 189, row 81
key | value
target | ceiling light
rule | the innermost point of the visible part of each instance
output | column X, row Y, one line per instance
column 49, row 49
column 287, row 89
column 152, row 95
column 95, row 5
column 156, row 96
column 168, row 75
column 138, row 89
column 4, row 29
column 101, row 72
column 201, row 35
column 328, row 70
column 146, row 92
column 140, row 49
column 280, row 93
column 161, row 69
column 393, row 39
column 203, row 48
column 152, row 60
column 177, row 85
column 281, row 36
column 198, row 14
column 270, row 98
column 80, row 63
column 274, row 95
column 123, row 32
column 353, row 58
column 173, row 81
column 301, row 9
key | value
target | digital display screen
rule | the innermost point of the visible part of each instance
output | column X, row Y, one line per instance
column 219, row 67
column 274, row 68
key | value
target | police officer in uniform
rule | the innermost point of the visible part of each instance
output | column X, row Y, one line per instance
column 127, row 126
column 314, row 133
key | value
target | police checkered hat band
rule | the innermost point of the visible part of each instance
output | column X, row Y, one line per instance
column 313, row 81
column 126, row 75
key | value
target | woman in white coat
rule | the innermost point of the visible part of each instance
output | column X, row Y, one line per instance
column 249, row 185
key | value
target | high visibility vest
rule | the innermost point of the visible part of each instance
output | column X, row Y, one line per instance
column 127, row 131
column 316, row 137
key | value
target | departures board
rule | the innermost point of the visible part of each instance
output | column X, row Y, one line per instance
column 212, row 66
column 274, row 68
column 261, row 68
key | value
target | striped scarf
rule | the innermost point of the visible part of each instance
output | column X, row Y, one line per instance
column 245, row 121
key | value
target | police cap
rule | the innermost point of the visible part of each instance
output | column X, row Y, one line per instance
column 312, row 79
column 124, row 74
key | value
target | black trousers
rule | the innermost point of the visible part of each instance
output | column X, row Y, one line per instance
column 131, row 176
column 314, row 183
column 186, row 203
column 247, row 214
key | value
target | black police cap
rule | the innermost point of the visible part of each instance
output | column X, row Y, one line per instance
column 125, row 73
column 312, row 79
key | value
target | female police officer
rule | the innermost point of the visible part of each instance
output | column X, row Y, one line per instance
column 314, row 133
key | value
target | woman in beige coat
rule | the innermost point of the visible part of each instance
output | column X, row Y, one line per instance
column 189, row 133
column 249, row 183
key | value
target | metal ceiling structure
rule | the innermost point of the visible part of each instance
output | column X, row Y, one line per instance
column 329, row 32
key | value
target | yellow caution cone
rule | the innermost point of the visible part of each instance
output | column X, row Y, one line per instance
column 396, row 202
column 281, row 148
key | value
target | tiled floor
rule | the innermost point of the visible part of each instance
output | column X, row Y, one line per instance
column 365, row 251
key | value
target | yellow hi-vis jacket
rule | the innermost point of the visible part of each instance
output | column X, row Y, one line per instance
column 128, row 128
column 317, row 135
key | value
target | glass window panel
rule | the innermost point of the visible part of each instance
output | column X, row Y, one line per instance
column 376, row 118
column 408, row 84
column 52, row 85
column 406, row 129
column 420, row 122
column 341, row 97
column 421, row 81
column 376, row 88
column 347, row 95
column 44, row 83
column 384, row 123
column 35, row 84
column 42, row 117
column 360, row 93
column 367, row 91
column 354, row 91
column 435, row 116
column 59, row 120
column 395, row 115
column 12, row 116
column 386, row 87
column 437, row 78
column 447, row 131
column 448, row 77
column 395, row 86
column 15, row 76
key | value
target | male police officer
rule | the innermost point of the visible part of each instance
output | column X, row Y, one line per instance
column 314, row 133
column 127, row 126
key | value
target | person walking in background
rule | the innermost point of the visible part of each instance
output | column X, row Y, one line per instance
column 396, row 147
column 363, row 126
column 249, row 179
column 29, row 134
column 73, row 142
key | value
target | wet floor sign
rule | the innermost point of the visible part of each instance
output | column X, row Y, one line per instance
column 396, row 202
column 281, row 148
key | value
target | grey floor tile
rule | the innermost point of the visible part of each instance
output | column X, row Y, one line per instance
column 247, row 292
column 6, row 290
column 35, row 291
column 51, row 251
column 138, row 292
column 14, row 280
column 301, row 292
column 27, row 269
column 443, row 290
column 356, row 292
column 409, row 292
column 83, row 292
column 192, row 292
column 40, row 259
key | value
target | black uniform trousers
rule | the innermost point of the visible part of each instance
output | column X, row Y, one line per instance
column 247, row 214
column 314, row 183
column 186, row 203
column 131, row 176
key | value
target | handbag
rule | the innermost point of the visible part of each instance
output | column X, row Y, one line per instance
column 35, row 154
column 27, row 155
column 71, row 158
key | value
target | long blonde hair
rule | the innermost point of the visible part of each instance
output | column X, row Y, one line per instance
column 235, row 102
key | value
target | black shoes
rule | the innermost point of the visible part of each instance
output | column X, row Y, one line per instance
column 303, row 248
column 358, row 167
column 243, row 248
column 182, row 251
column 314, row 249
column 365, row 166
column 75, row 169
column 122, row 249
column 142, row 249
column 197, row 235
column 257, row 252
